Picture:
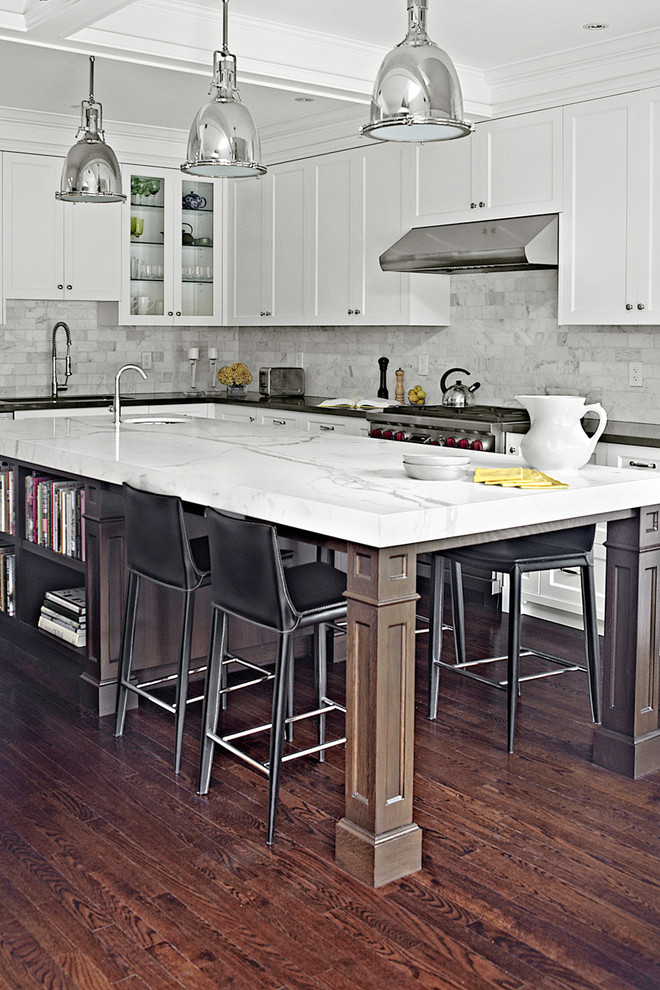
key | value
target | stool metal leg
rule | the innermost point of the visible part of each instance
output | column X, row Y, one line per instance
column 280, row 697
column 182, row 679
column 126, row 650
column 321, row 679
column 458, row 610
column 211, row 698
column 591, row 645
column 513, row 662
column 436, row 594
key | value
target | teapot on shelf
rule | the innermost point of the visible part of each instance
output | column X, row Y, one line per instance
column 192, row 201
column 187, row 238
column 458, row 394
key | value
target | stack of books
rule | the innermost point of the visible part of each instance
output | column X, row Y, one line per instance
column 64, row 614
column 7, row 572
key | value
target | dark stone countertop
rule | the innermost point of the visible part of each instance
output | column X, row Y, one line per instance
column 640, row 434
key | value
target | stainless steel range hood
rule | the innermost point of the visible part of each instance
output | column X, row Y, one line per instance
column 516, row 244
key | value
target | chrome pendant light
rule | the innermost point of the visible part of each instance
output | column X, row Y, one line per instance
column 91, row 171
column 223, row 139
column 417, row 95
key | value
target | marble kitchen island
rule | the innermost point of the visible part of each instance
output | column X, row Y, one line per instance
column 353, row 491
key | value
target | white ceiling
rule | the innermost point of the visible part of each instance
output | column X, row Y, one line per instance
column 154, row 56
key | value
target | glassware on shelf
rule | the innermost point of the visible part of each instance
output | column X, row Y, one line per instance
column 137, row 226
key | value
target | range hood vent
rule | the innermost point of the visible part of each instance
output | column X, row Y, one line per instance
column 517, row 244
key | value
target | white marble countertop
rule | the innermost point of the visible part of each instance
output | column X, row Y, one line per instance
column 353, row 488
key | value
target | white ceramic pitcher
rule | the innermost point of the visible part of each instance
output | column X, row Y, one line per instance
column 556, row 441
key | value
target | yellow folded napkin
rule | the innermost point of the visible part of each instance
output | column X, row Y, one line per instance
column 518, row 477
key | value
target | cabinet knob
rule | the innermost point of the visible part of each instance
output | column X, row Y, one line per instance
column 482, row 205
column 170, row 312
column 178, row 313
column 640, row 305
column 60, row 287
column 357, row 312
column 69, row 287
column 350, row 312
column 629, row 305
column 473, row 206
column 268, row 313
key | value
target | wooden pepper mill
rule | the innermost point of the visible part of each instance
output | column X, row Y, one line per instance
column 399, row 394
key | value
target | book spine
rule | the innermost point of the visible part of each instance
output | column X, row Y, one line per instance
column 63, row 620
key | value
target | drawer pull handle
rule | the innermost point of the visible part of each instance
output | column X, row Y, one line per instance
column 643, row 464
column 329, row 428
column 279, row 422
column 569, row 570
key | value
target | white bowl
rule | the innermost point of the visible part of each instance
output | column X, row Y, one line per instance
column 447, row 471
column 437, row 457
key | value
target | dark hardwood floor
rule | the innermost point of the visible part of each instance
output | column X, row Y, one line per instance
column 540, row 870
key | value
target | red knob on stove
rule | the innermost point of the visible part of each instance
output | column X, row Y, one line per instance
column 477, row 445
column 450, row 442
column 436, row 443
column 376, row 433
column 463, row 443
column 388, row 435
column 400, row 435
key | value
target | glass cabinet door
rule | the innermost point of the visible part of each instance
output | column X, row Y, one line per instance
column 147, row 245
column 172, row 266
column 197, row 243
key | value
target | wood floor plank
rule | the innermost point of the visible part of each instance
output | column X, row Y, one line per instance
column 540, row 871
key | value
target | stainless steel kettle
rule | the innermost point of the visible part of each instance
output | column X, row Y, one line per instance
column 458, row 394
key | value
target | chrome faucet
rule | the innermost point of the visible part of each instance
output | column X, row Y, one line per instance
column 55, row 385
column 116, row 408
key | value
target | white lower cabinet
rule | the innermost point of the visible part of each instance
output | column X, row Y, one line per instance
column 347, row 425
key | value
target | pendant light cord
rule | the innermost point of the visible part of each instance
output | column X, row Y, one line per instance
column 91, row 79
column 225, row 27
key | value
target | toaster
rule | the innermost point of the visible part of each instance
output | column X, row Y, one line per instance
column 281, row 381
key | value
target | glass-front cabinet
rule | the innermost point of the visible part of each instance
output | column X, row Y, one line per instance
column 172, row 258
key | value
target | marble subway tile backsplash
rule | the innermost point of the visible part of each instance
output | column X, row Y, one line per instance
column 503, row 330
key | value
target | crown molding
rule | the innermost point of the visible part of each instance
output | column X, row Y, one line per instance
column 581, row 74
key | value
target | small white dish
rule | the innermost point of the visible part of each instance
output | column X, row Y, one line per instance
column 447, row 471
column 431, row 458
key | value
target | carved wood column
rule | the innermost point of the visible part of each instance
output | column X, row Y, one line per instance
column 628, row 741
column 105, row 557
column 377, row 840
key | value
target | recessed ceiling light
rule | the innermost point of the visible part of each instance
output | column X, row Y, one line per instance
column 304, row 99
column 595, row 26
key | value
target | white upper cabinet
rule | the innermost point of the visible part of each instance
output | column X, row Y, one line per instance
column 172, row 251
column 305, row 242
column 508, row 167
column 360, row 207
column 55, row 250
column 269, row 244
column 610, row 231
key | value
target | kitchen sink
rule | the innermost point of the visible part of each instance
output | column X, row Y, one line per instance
column 154, row 420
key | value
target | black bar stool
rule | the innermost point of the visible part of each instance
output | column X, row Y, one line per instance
column 158, row 549
column 569, row 548
column 249, row 581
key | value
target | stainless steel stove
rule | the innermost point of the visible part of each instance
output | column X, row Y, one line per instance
column 469, row 427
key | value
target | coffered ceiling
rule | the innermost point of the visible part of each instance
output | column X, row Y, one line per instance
column 306, row 61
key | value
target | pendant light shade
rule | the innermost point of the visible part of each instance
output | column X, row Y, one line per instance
column 223, row 139
column 91, row 171
column 417, row 95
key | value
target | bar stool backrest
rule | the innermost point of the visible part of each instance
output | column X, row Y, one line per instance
column 157, row 547
column 247, row 575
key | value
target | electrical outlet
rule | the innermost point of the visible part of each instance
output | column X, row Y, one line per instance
column 635, row 374
column 146, row 360
column 422, row 364
column 299, row 359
